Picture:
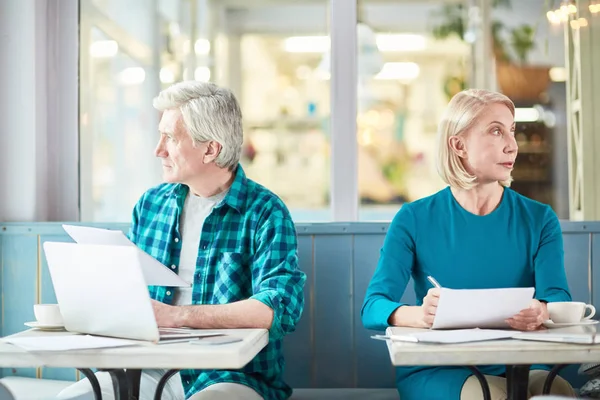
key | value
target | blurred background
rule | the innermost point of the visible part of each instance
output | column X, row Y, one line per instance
column 412, row 57
column 390, row 79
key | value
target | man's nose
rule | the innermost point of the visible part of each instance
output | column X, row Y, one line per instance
column 160, row 150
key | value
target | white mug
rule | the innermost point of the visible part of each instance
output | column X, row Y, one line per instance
column 48, row 314
column 570, row 311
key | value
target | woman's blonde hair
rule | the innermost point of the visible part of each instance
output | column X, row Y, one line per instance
column 460, row 116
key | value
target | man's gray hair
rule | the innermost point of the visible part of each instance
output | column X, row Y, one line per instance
column 210, row 113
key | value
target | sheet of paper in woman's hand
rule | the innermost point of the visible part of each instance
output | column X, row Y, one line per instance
column 480, row 308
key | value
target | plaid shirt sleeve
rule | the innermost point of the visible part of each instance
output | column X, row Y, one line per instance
column 276, row 278
column 255, row 224
column 135, row 219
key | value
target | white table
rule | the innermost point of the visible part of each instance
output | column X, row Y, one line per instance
column 517, row 355
column 125, row 363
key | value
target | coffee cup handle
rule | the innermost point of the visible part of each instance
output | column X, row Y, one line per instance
column 592, row 311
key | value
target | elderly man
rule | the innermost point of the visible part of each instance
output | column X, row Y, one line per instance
column 231, row 237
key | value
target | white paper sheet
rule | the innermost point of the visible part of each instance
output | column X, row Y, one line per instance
column 155, row 273
column 564, row 335
column 454, row 336
column 88, row 235
column 480, row 308
column 67, row 342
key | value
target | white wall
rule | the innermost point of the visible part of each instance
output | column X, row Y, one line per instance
column 38, row 103
column 23, row 117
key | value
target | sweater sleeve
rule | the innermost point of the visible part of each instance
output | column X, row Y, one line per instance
column 392, row 273
column 549, row 266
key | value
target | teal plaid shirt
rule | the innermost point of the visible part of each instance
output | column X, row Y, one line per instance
column 248, row 250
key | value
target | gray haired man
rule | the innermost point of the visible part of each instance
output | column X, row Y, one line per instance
column 233, row 238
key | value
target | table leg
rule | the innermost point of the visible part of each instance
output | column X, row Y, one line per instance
column 517, row 381
column 134, row 376
column 88, row 373
column 120, row 384
column 163, row 381
column 483, row 382
column 550, row 378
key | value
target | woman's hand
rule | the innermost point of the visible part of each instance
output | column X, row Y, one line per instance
column 429, row 307
column 530, row 318
column 417, row 316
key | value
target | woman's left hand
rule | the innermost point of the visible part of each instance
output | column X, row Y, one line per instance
column 530, row 318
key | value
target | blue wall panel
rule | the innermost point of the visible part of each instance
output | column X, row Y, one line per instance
column 330, row 347
column 334, row 315
column 409, row 296
column 1, row 293
column 577, row 251
column 373, row 367
column 595, row 262
column 1, row 289
column 19, row 288
column 299, row 346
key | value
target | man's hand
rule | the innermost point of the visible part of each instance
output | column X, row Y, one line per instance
column 167, row 316
column 248, row 313
column 530, row 318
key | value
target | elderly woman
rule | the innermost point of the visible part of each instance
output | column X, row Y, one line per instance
column 476, row 233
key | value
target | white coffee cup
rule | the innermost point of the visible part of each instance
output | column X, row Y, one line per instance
column 570, row 311
column 47, row 314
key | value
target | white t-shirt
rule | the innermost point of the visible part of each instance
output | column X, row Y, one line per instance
column 195, row 211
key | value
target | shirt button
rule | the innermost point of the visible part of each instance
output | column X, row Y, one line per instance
column 204, row 247
column 168, row 292
column 176, row 240
column 173, row 266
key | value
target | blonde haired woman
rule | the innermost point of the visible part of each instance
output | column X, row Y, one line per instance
column 476, row 233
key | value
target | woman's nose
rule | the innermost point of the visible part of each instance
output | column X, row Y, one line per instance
column 511, row 145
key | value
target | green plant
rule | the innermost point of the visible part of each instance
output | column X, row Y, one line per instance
column 500, row 51
column 452, row 19
column 522, row 41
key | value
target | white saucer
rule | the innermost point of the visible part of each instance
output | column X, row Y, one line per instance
column 549, row 324
column 44, row 327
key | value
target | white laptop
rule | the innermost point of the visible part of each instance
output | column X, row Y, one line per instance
column 101, row 290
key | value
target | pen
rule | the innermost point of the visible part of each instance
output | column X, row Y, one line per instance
column 406, row 338
column 434, row 282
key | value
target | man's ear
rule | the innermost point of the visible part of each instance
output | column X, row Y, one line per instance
column 212, row 151
column 457, row 145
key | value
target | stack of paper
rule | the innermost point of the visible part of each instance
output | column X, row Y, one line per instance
column 66, row 342
column 450, row 336
column 560, row 337
column 480, row 308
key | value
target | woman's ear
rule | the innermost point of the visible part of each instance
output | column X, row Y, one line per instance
column 457, row 145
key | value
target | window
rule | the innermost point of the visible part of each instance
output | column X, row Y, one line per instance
column 406, row 77
column 297, row 77
column 262, row 52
